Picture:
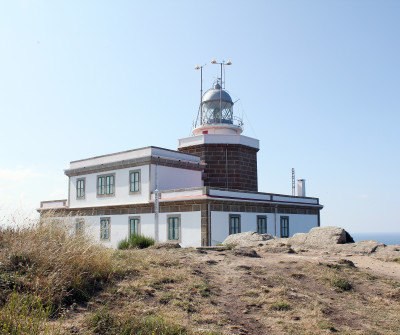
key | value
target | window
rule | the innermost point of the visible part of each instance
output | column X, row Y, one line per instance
column 174, row 228
column 105, row 229
column 80, row 188
column 284, row 226
column 234, row 224
column 105, row 185
column 134, row 225
column 79, row 226
column 261, row 224
column 134, row 181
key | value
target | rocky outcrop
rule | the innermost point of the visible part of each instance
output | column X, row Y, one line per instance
column 387, row 252
column 247, row 239
column 328, row 239
column 320, row 237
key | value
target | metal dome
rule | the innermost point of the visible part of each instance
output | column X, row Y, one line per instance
column 215, row 94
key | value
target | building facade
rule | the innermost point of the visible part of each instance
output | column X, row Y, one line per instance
column 196, row 196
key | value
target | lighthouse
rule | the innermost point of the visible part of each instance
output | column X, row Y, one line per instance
column 230, row 157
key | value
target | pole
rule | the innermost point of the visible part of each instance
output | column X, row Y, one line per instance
column 220, row 98
column 201, row 95
column 156, row 207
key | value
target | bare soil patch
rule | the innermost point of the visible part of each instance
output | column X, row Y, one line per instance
column 216, row 292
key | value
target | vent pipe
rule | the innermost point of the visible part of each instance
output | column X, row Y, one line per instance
column 301, row 187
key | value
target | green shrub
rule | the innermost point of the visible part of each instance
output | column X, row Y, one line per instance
column 340, row 283
column 136, row 241
column 123, row 245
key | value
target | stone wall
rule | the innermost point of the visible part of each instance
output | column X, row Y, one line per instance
column 229, row 166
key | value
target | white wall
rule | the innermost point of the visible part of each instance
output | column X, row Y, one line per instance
column 121, row 195
column 170, row 178
column 190, row 227
column 298, row 223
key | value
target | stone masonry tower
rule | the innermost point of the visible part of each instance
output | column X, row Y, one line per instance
column 231, row 158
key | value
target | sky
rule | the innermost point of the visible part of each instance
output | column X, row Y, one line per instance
column 318, row 83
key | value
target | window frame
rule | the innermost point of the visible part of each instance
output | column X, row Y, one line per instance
column 79, row 226
column 105, row 194
column 139, row 182
column 108, row 227
column 284, row 229
column 259, row 217
column 138, row 225
column 239, row 217
column 172, row 216
column 83, row 189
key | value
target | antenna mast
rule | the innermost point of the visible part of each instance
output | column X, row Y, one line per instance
column 293, row 183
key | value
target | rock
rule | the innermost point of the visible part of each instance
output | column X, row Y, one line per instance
column 248, row 239
column 359, row 248
column 387, row 252
column 245, row 251
column 320, row 237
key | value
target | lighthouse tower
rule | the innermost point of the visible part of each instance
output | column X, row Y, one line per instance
column 231, row 158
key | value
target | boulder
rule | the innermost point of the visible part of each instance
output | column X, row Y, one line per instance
column 387, row 252
column 248, row 239
column 245, row 251
column 321, row 237
column 359, row 248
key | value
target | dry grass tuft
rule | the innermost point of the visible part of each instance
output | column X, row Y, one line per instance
column 46, row 259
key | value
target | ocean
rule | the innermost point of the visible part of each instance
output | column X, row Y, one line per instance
column 387, row 238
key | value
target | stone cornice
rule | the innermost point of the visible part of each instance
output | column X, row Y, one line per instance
column 135, row 162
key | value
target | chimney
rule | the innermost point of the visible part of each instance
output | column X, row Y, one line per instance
column 301, row 187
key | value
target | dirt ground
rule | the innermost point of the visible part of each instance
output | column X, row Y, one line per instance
column 216, row 292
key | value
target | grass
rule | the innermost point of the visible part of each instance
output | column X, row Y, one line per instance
column 280, row 306
column 25, row 314
column 327, row 325
column 103, row 321
column 136, row 241
column 43, row 268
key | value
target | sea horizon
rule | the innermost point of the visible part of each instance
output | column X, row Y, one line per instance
column 388, row 238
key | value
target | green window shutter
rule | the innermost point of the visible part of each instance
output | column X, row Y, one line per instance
column 170, row 229
column 173, row 228
column 105, row 229
column 262, row 225
column 284, row 226
column 176, row 229
column 134, row 181
column 133, row 226
column 111, row 184
column 100, row 185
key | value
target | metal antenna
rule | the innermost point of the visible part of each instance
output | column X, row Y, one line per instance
column 293, row 183
column 201, row 90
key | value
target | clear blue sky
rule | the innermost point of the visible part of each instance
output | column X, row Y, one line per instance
column 318, row 83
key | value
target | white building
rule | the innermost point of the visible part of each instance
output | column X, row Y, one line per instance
column 207, row 189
